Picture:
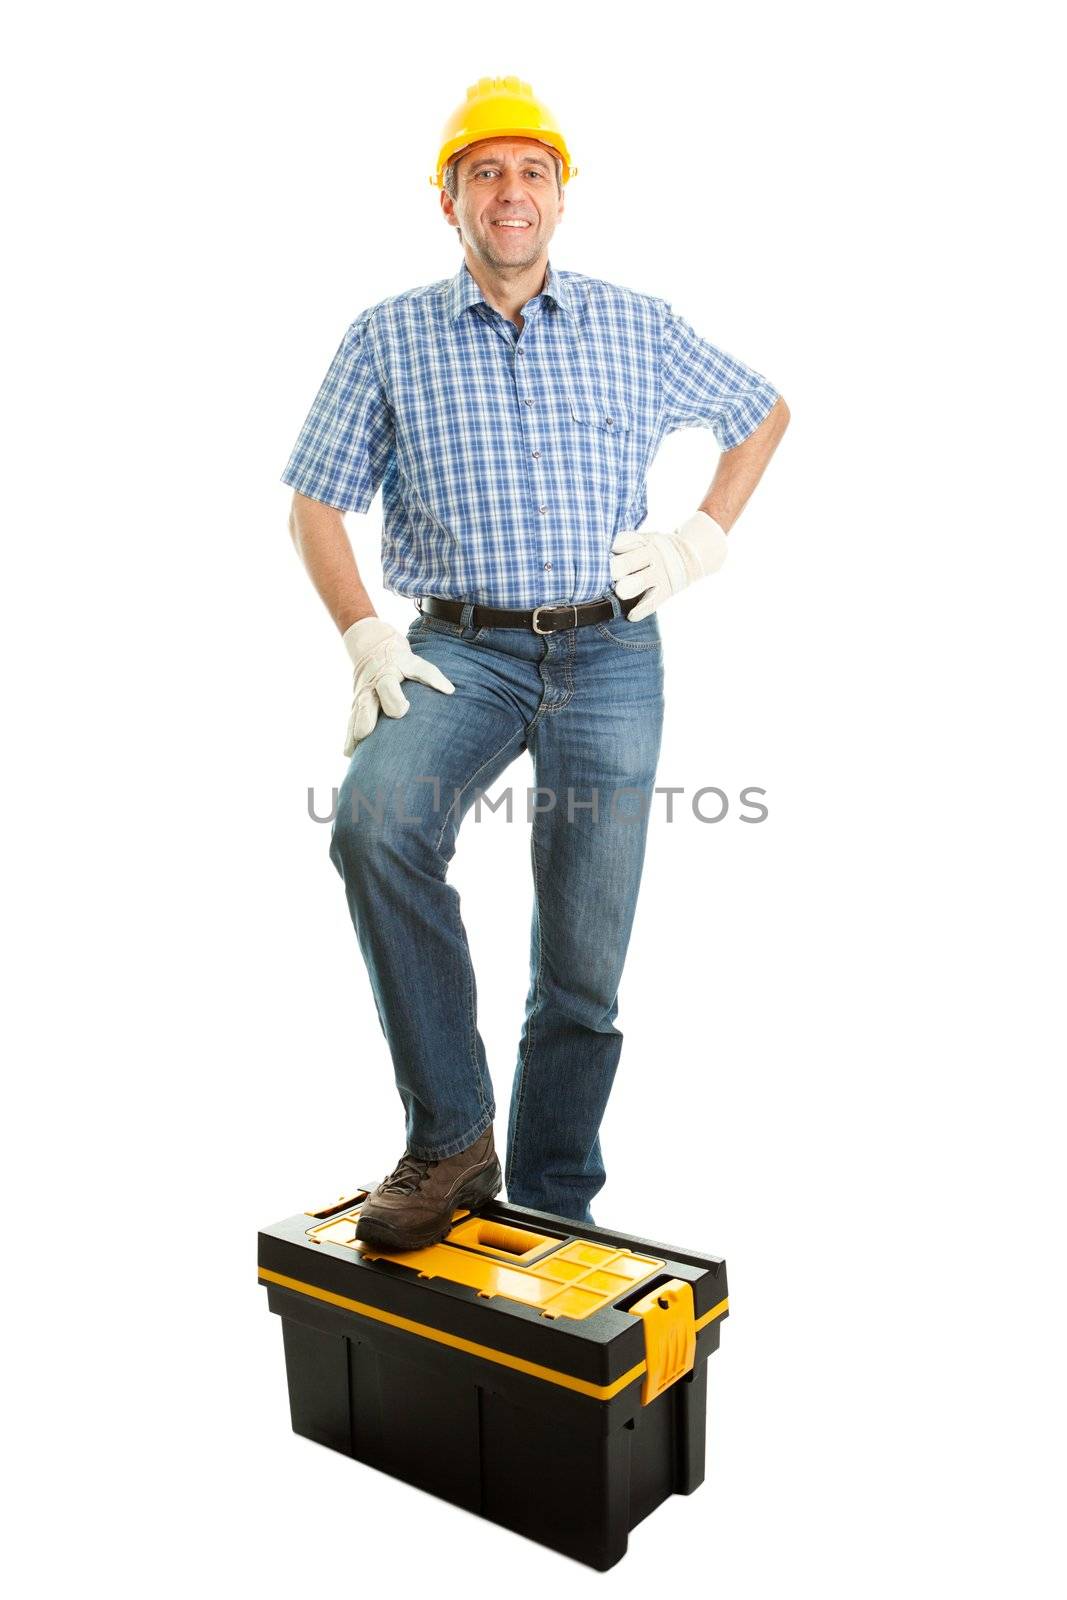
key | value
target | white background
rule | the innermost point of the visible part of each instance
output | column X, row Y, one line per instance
column 841, row 1068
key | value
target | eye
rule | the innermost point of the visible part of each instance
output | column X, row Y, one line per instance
column 531, row 172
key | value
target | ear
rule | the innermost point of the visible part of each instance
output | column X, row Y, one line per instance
column 449, row 209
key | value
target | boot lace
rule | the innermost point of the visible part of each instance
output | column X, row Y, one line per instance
column 408, row 1174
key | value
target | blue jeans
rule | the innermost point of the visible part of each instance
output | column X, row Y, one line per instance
column 588, row 704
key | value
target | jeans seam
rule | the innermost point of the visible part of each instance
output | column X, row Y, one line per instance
column 521, row 1105
column 472, row 1017
column 473, row 778
column 569, row 690
column 546, row 711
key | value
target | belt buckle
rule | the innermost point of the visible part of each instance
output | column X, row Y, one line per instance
column 533, row 622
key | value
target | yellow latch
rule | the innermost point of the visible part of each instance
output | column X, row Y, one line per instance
column 670, row 1335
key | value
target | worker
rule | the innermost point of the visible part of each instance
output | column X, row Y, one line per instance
column 509, row 414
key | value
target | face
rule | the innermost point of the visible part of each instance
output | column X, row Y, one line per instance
column 508, row 205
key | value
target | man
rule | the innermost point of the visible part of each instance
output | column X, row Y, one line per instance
column 510, row 415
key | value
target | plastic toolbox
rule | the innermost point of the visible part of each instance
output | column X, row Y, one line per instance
column 547, row 1376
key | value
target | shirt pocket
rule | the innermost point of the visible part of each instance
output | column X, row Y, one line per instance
column 605, row 417
column 599, row 429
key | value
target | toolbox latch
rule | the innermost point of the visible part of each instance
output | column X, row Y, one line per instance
column 670, row 1335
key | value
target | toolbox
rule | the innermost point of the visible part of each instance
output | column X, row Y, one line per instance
column 549, row 1376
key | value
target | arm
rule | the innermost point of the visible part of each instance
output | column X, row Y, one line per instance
column 318, row 532
column 656, row 565
column 741, row 468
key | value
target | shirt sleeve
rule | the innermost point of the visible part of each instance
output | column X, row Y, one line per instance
column 346, row 442
column 703, row 387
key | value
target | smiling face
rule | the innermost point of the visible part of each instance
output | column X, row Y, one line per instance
column 507, row 203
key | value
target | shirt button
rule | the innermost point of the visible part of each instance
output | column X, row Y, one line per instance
column 542, row 509
column 520, row 352
column 548, row 566
column 529, row 402
column 610, row 421
column 536, row 454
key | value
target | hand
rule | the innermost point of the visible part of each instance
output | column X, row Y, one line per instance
column 663, row 563
column 382, row 657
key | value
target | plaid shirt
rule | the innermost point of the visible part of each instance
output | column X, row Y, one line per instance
column 509, row 461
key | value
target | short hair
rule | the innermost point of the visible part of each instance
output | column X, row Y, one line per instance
column 450, row 179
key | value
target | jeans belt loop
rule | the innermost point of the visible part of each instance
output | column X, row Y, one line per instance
column 466, row 614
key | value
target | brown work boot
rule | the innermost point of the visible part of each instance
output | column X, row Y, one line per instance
column 413, row 1206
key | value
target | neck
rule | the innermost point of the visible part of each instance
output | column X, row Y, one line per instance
column 508, row 290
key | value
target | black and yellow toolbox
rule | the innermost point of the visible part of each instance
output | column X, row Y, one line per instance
column 550, row 1377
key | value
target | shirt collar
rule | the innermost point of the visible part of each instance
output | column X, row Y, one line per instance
column 464, row 292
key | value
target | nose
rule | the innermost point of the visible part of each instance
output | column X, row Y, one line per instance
column 511, row 187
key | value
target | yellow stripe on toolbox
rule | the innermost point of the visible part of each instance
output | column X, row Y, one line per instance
column 596, row 1391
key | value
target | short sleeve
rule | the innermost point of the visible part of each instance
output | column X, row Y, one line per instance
column 345, row 444
column 703, row 387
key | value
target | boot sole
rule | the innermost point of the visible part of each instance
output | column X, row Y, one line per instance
column 369, row 1230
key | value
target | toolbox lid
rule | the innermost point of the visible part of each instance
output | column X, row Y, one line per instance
column 578, row 1306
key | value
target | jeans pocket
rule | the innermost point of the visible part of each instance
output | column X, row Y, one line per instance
column 423, row 624
column 438, row 625
column 643, row 635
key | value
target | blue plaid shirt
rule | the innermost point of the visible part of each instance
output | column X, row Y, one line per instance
column 509, row 460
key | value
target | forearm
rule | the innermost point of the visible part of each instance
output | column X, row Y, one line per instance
column 318, row 532
column 741, row 468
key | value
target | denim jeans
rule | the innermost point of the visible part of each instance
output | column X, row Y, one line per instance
column 588, row 704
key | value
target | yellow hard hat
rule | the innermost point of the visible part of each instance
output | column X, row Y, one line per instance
column 498, row 108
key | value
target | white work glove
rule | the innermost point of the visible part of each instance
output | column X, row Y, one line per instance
column 382, row 657
column 663, row 563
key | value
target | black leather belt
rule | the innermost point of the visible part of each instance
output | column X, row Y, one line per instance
column 542, row 619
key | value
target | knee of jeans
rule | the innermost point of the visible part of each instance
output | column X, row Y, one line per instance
column 590, row 999
column 372, row 831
